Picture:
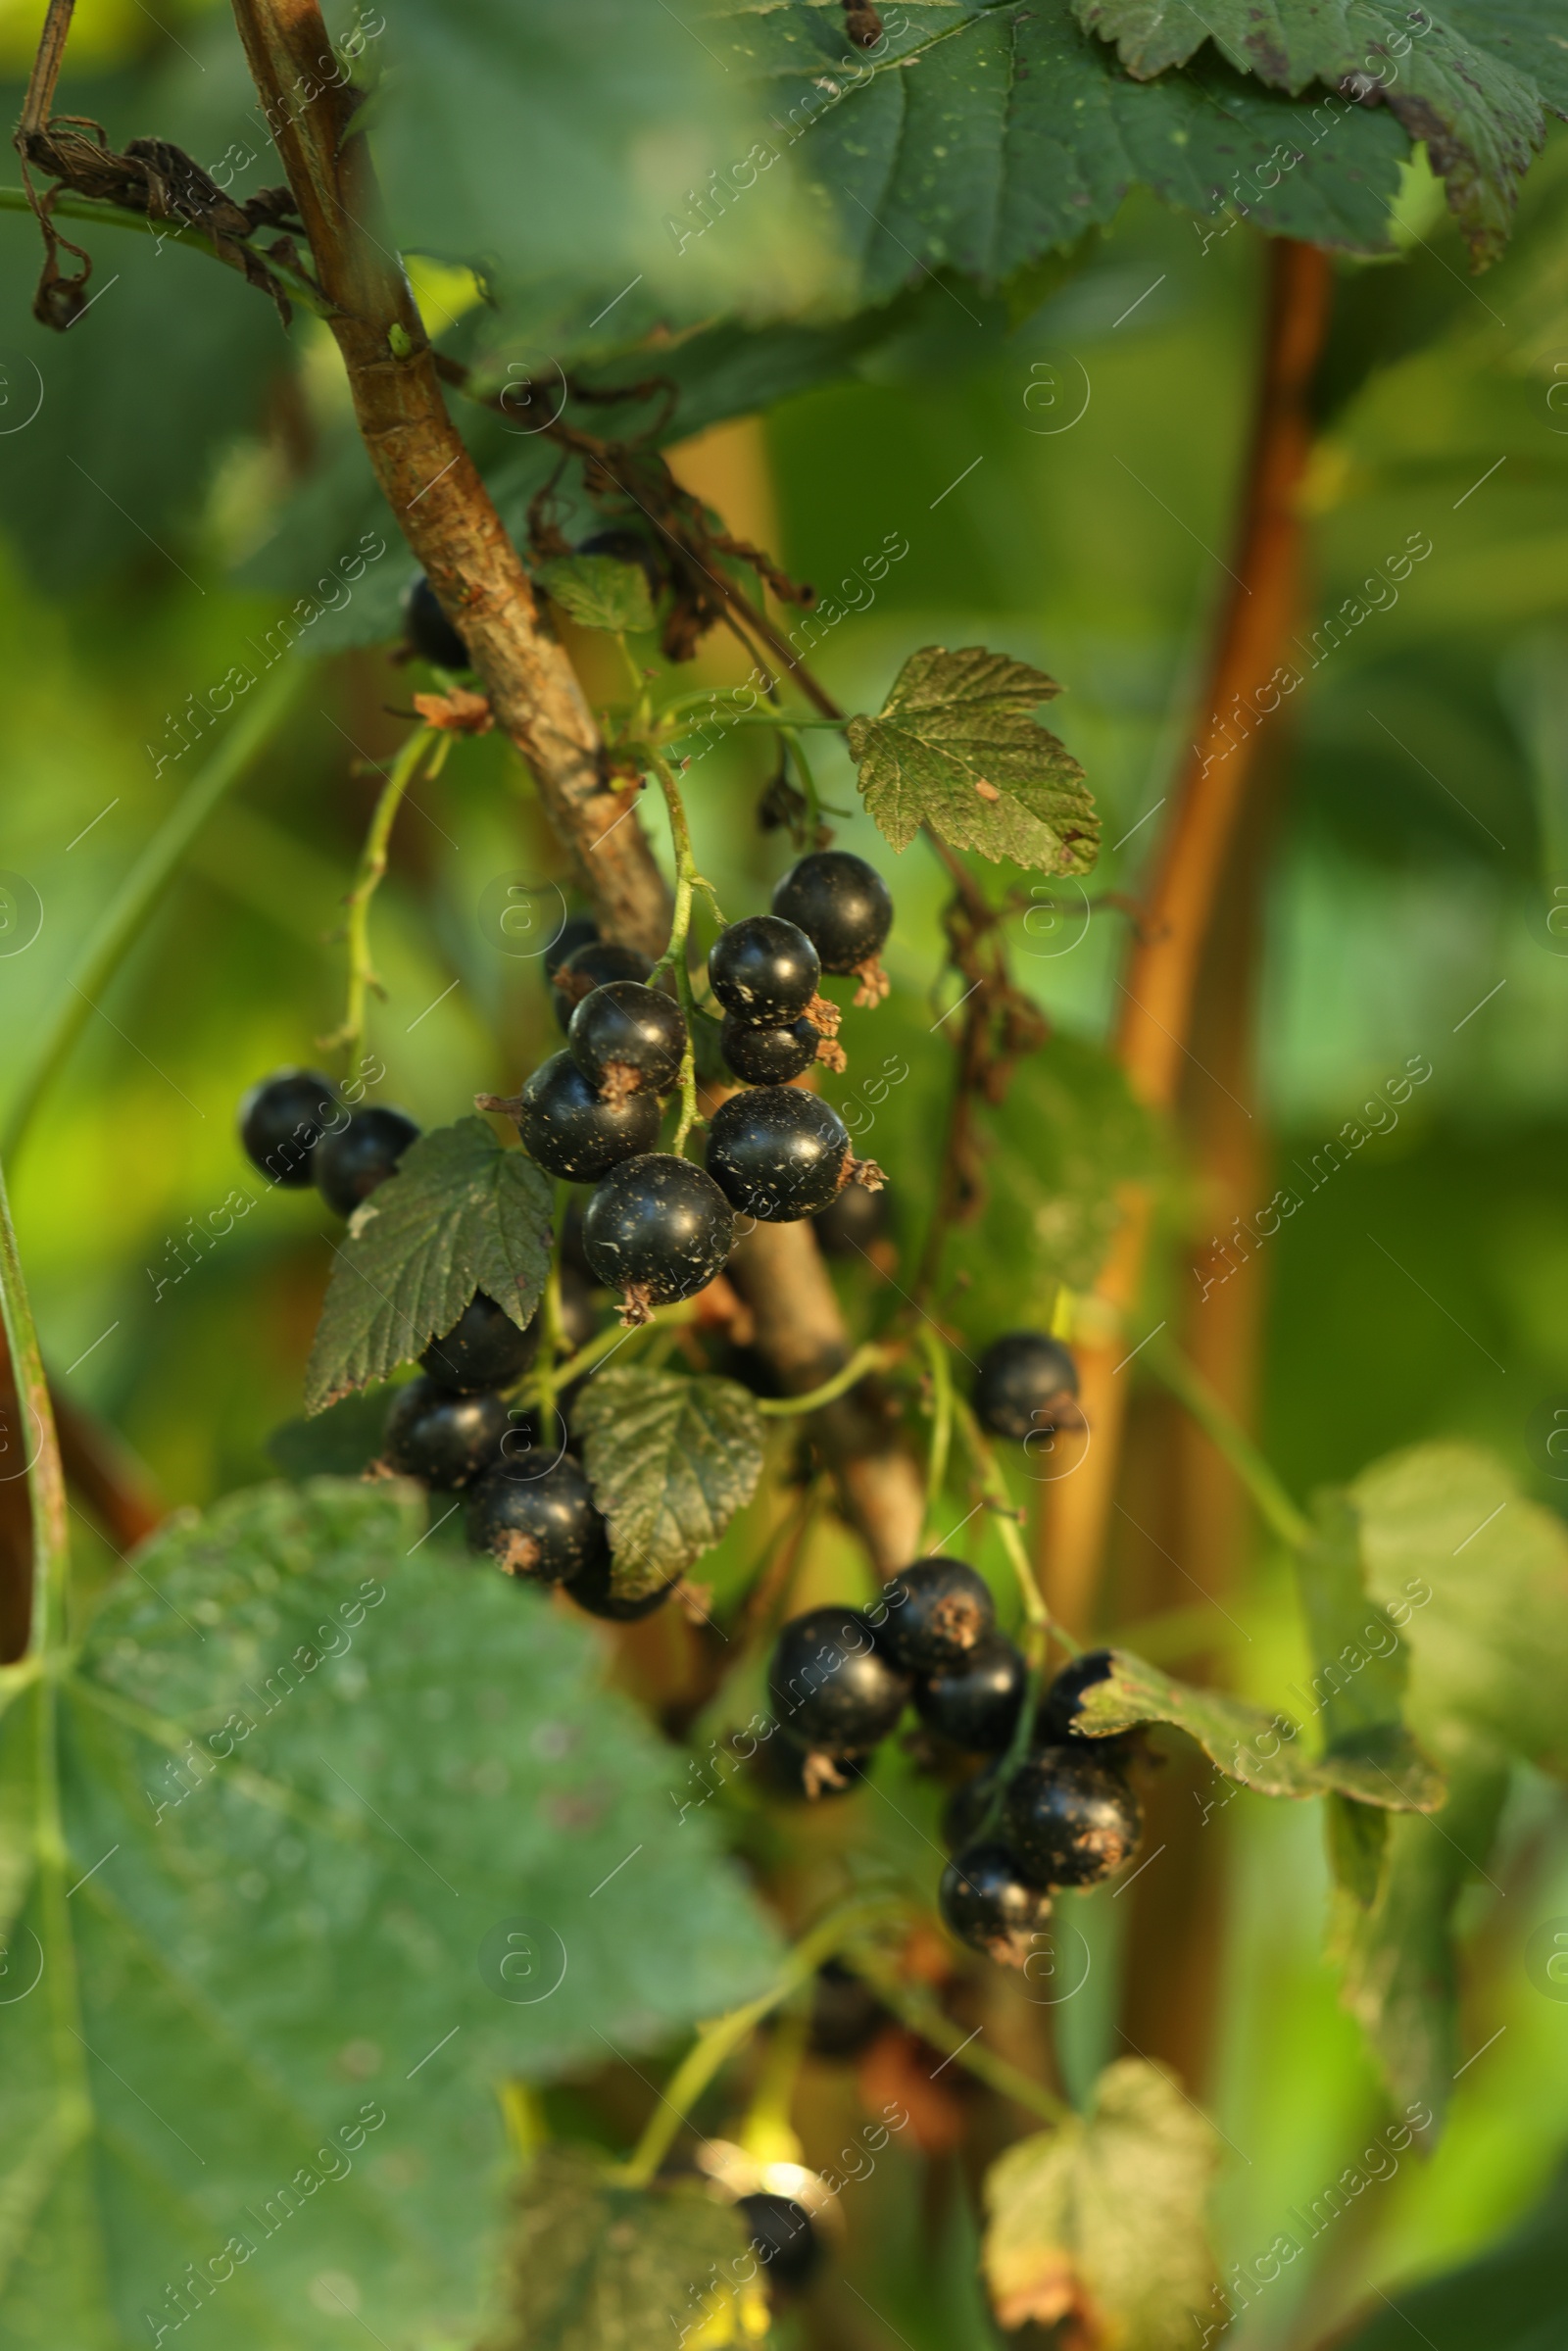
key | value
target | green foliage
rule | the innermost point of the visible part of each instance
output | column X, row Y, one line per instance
column 270, row 1830
column 1512, row 2297
column 598, row 590
column 460, row 1214
column 335, row 1443
column 670, row 1459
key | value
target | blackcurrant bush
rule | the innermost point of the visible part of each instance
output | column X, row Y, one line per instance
column 845, row 2013
column 1070, row 1818
column 832, row 1690
column 545, row 1527
column 763, row 1056
column 848, row 1225
column 444, row 1438
column 1056, row 1725
column 937, row 1612
column 627, row 1038
column 484, row 1348
column 282, row 1122
column 571, row 1131
column 592, row 965
column 764, row 970
column 591, row 1589
column 989, row 1905
column 657, row 1229
column 349, row 1164
column 975, row 1704
column 430, row 631
column 1026, row 1381
column 782, row 2239
column 842, row 905
column 577, row 930
column 777, row 1154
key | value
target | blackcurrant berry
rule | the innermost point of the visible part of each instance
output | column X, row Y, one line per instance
column 845, row 2013
column 848, row 1225
column 430, row 631
column 571, row 1131
column 1056, row 1725
column 1070, row 1819
column 577, row 930
column 764, row 970
column 782, row 2239
column 765, row 1056
column 349, row 1164
column 545, row 1527
column 975, row 1704
column 791, row 1771
column 842, row 905
column 777, row 1154
column 657, row 1229
column 1026, row 1381
column 592, row 965
column 282, row 1122
column 989, row 1905
column 627, row 1038
column 831, row 1688
column 964, row 1815
column 937, row 1612
column 591, row 1589
column 484, row 1348
column 444, row 1438
column 578, row 1319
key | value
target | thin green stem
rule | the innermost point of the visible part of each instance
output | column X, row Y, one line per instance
column 936, row 1467
column 1274, row 1504
column 304, row 289
column 1037, row 1617
column 37, row 1443
column 350, row 1038
column 126, row 914
column 813, row 799
column 867, row 1358
column 913, row 2006
column 688, row 881
column 604, row 1342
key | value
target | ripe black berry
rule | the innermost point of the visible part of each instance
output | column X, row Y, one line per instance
column 848, row 1225
column 937, row 1612
column 282, row 1122
column 627, row 1038
column 831, row 1689
column 484, row 1348
column 445, row 1438
column 592, row 965
column 842, row 905
column 791, row 1771
column 591, row 1589
column 777, row 1154
column 430, row 631
column 990, row 1906
column 545, row 1527
column 763, row 969
column 571, row 1131
column 975, row 1704
column 657, row 1229
column 1026, row 1381
column 577, row 930
column 1059, row 1706
column 349, row 1164
column 782, row 2239
column 766, row 1057
column 963, row 1816
column 1070, row 1819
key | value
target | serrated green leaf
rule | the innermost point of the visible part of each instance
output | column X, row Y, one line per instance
column 599, row 591
column 594, row 2265
column 955, row 746
column 671, row 1457
column 462, row 1213
column 268, row 1836
column 1102, row 2220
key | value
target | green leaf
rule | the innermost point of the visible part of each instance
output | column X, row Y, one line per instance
column 670, row 1459
column 598, row 590
column 955, row 746
column 463, row 1213
column 1101, row 2221
column 1510, row 2297
column 593, row 2266
column 338, row 1443
column 268, row 1836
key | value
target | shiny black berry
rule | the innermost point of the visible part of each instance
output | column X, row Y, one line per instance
column 975, row 1704
column 544, row 1527
column 831, row 1688
column 1026, row 1381
column 430, row 631
column 938, row 1613
column 968, row 1808
column 1056, row 1725
column 567, row 1126
column 1070, row 1819
column 782, row 2239
column 657, row 1229
column 444, row 1438
column 627, row 1038
column 848, row 1225
column 282, row 1122
column 484, row 1348
column 842, row 905
column 765, row 1056
column 764, row 970
column 777, row 1154
column 577, row 930
column 348, row 1165
column 791, row 1771
column 592, row 965
column 988, row 1904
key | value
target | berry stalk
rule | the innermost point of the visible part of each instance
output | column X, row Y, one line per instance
column 916, row 2008
column 46, row 1477
column 688, row 881
column 350, row 1038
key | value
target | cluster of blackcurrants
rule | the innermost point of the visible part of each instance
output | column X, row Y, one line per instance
column 297, row 1129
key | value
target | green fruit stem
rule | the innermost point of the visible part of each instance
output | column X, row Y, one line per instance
column 350, row 1038
column 1268, row 1490
column 46, row 1477
column 916, row 2008
column 870, row 1357
column 688, row 881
